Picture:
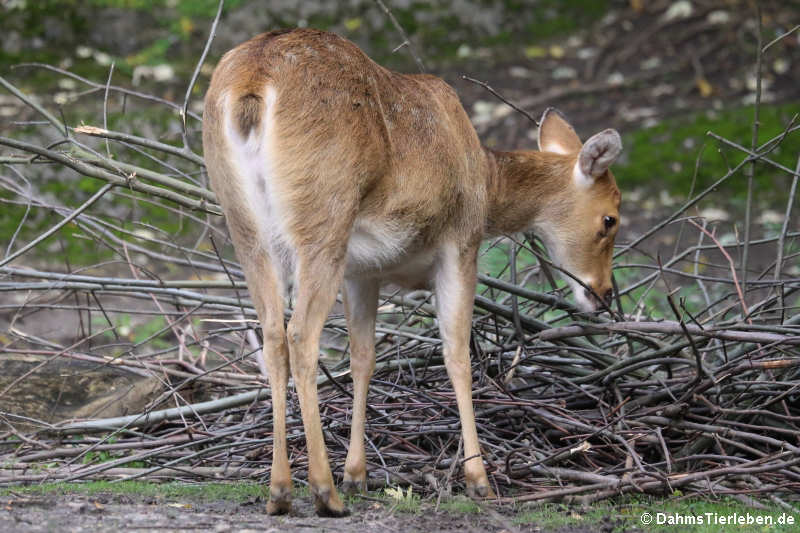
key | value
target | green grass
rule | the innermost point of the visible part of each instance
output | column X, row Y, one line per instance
column 629, row 513
column 459, row 505
column 556, row 516
column 663, row 157
column 168, row 491
column 71, row 189
column 402, row 500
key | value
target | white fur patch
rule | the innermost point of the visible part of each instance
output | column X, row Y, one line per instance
column 553, row 146
column 583, row 302
column 253, row 159
column 559, row 256
column 375, row 244
column 582, row 179
column 448, row 291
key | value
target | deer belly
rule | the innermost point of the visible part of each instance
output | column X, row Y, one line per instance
column 386, row 251
column 374, row 245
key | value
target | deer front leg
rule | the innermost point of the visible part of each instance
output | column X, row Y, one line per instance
column 360, row 304
column 317, row 281
column 455, row 292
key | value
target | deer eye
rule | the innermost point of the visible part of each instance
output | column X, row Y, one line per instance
column 609, row 222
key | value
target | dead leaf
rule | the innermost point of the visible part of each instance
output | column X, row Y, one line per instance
column 706, row 89
column 180, row 505
column 532, row 52
column 557, row 51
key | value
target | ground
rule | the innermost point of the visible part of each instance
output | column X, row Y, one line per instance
column 107, row 511
column 100, row 507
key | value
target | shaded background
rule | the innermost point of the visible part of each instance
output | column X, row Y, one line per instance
column 664, row 73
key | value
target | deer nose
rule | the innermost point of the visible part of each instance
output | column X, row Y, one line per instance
column 608, row 296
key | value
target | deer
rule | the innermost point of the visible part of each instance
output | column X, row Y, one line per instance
column 334, row 172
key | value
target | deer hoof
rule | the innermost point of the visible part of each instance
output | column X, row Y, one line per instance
column 354, row 485
column 480, row 491
column 280, row 500
column 328, row 503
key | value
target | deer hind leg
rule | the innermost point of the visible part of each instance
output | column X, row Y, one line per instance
column 455, row 292
column 361, row 302
column 318, row 279
column 266, row 289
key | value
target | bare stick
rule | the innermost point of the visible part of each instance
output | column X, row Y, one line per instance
column 196, row 72
column 66, row 220
column 502, row 99
column 402, row 32
column 750, row 170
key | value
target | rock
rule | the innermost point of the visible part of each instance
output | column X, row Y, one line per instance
column 715, row 213
column 650, row 63
column 781, row 65
column 564, row 73
column 681, row 9
column 520, row 72
column 615, row 79
column 770, row 217
column 718, row 16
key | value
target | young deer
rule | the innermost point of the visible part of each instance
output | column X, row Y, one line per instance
column 337, row 172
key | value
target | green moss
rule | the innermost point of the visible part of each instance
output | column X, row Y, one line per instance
column 664, row 156
column 459, row 505
column 629, row 514
column 557, row 18
column 71, row 189
column 238, row 491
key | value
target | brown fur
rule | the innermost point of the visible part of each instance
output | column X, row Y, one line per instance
column 354, row 143
column 248, row 113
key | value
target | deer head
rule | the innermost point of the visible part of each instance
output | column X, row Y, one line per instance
column 578, row 225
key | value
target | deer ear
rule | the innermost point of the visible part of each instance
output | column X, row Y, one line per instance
column 556, row 135
column 598, row 153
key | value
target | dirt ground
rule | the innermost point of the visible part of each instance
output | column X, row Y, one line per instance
column 115, row 512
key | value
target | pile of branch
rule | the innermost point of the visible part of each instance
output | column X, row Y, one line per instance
column 704, row 398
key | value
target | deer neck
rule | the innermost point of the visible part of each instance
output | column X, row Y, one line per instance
column 524, row 187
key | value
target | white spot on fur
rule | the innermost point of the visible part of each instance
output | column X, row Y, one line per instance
column 584, row 302
column 552, row 146
column 559, row 255
column 253, row 160
column 448, row 290
column 374, row 244
column 581, row 178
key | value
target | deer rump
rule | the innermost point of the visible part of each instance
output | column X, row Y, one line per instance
column 316, row 131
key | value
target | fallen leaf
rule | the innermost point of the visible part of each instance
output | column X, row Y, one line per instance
column 706, row 89
column 353, row 23
column 681, row 9
column 186, row 26
column 532, row 52
column 557, row 51
column 180, row 505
